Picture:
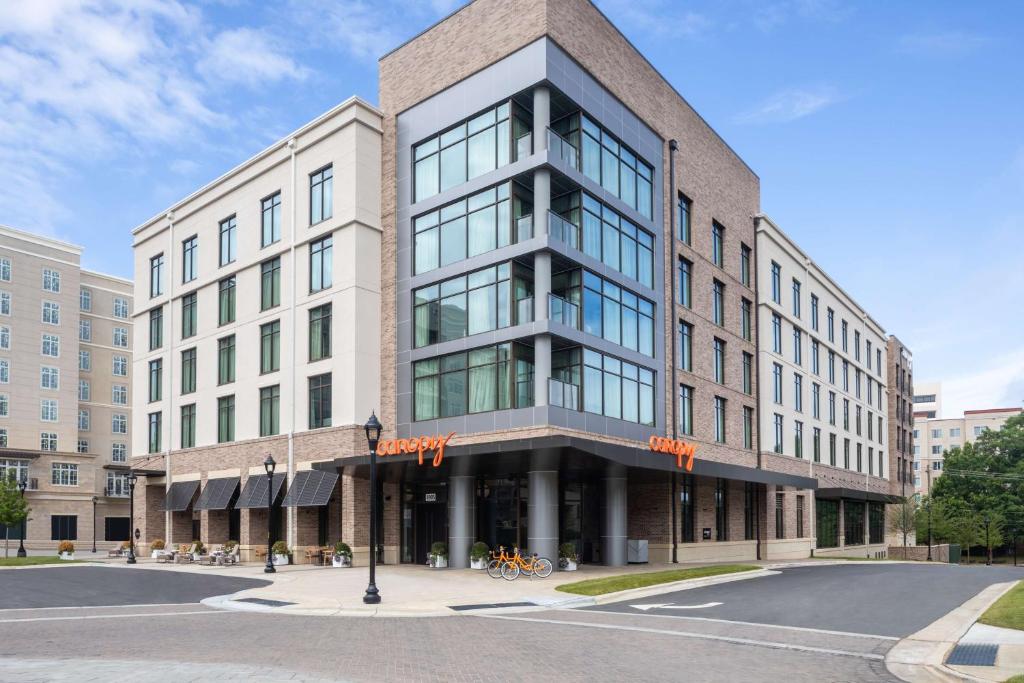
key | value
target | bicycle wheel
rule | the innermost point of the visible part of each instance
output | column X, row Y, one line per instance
column 510, row 571
column 494, row 569
column 542, row 567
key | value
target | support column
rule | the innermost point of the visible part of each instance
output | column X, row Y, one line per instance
column 613, row 538
column 541, row 202
column 461, row 520
column 542, row 507
column 541, row 117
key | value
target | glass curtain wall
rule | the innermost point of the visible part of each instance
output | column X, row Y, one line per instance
column 485, row 379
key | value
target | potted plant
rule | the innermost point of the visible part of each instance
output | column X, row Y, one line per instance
column 280, row 552
column 200, row 550
column 567, row 558
column 230, row 547
column 125, row 546
column 438, row 555
column 66, row 550
column 157, row 548
column 478, row 555
column 342, row 555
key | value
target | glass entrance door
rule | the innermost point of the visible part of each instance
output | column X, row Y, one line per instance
column 580, row 519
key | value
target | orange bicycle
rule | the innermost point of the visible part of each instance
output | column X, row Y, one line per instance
column 497, row 561
column 531, row 566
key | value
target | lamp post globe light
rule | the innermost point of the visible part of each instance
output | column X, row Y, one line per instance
column 22, row 485
column 269, row 466
column 132, row 478
column 373, row 429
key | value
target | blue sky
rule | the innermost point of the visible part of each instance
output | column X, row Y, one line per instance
column 889, row 137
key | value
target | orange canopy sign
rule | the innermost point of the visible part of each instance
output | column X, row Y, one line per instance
column 419, row 445
column 678, row 448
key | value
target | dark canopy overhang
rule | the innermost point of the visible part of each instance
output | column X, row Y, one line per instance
column 179, row 496
column 837, row 492
column 515, row 456
column 310, row 488
column 217, row 494
column 254, row 495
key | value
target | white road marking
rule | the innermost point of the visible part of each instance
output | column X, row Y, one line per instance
column 131, row 605
column 113, row 616
column 698, row 636
column 805, row 629
column 669, row 605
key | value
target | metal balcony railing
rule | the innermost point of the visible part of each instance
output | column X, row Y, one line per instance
column 562, row 311
column 563, row 395
column 115, row 492
column 563, row 230
column 563, row 149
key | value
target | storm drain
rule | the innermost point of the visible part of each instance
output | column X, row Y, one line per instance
column 494, row 605
column 265, row 602
column 973, row 654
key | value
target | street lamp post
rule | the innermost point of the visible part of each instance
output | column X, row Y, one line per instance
column 373, row 429
column 94, row 499
column 269, row 466
column 132, row 478
column 22, row 485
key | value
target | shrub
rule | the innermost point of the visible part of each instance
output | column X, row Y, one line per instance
column 65, row 547
column 229, row 546
column 439, row 549
column 479, row 551
column 567, row 551
column 125, row 545
column 341, row 548
column 158, row 544
column 200, row 548
column 279, row 548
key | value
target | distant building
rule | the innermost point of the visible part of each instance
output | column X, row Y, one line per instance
column 65, row 387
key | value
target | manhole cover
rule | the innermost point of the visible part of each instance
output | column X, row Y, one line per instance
column 495, row 605
column 265, row 602
column 974, row 654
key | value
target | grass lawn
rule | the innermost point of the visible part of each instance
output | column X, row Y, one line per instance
column 30, row 561
column 611, row 584
column 1019, row 678
column 1008, row 611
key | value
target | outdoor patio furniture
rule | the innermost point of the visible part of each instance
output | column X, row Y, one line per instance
column 116, row 552
column 313, row 555
column 166, row 556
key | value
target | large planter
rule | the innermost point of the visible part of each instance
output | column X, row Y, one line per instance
column 157, row 553
column 341, row 561
column 67, row 556
column 280, row 560
column 569, row 566
column 478, row 563
column 438, row 561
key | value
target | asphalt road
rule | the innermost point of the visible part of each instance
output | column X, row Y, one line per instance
column 867, row 597
column 75, row 586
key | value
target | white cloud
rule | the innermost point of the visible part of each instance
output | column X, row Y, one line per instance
column 942, row 44
column 655, row 17
column 790, row 104
column 997, row 384
column 249, row 56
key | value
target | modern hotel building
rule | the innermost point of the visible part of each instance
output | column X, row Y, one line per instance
column 552, row 263
column 65, row 358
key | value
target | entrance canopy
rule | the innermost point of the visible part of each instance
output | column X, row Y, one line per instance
column 857, row 494
column 254, row 495
column 310, row 488
column 179, row 496
column 217, row 494
column 567, row 452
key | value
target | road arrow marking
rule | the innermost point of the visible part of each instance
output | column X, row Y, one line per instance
column 669, row 605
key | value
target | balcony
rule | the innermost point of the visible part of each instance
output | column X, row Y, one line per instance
column 116, row 491
column 524, row 228
column 564, row 312
column 563, row 231
column 561, row 148
column 563, row 395
column 524, row 145
column 524, row 310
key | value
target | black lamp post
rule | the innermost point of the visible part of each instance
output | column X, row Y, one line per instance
column 373, row 429
column 132, row 478
column 94, row 499
column 269, row 466
column 22, row 485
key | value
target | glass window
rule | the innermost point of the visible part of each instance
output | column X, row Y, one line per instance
column 5, row 269
column 84, row 361
column 472, row 225
column 719, row 419
column 189, row 313
column 484, row 379
column 156, row 328
column 49, row 377
column 321, row 264
column 718, row 302
column 225, row 419
column 226, row 360
column 814, row 312
column 462, row 153
column 51, row 345
column 51, row 280
column 63, row 474
column 226, row 301
column 51, row 313
column 745, row 260
column 270, row 347
column 796, row 297
column 118, row 452
column 121, row 337
column 156, row 372
column 717, row 244
column 798, row 347
column 320, row 401
column 776, row 333
column 776, row 283
column 270, row 219
column 469, row 304
column 120, row 307
column 683, row 219
column 155, row 432
column 84, row 299
column 188, row 426
column 719, row 359
column 188, row 371
column 721, row 509
column 778, row 434
column 685, row 346
column 270, row 410
column 5, row 338
column 270, row 283
column 619, row 170
column 190, row 259
column 84, row 390
column 321, row 195
column 748, row 373
column 748, row 427
column 320, row 332
column 48, row 410
column 685, row 410
column 228, row 241
column 746, row 317
column 684, row 283
column 777, row 382
column 618, row 315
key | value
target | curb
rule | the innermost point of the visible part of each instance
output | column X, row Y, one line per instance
column 920, row 657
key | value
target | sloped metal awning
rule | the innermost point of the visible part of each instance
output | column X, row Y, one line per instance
column 310, row 488
column 837, row 492
column 179, row 496
column 217, row 494
column 254, row 495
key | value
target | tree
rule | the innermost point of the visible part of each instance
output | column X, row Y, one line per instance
column 904, row 519
column 991, row 532
column 13, row 508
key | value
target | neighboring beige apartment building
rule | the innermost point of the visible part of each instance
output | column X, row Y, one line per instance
column 935, row 435
column 824, row 397
column 259, row 305
column 65, row 388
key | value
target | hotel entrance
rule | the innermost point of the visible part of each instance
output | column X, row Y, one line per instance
column 424, row 520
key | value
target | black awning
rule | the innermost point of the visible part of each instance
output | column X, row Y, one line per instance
column 837, row 492
column 217, row 494
column 310, row 488
column 116, row 468
column 179, row 496
column 18, row 455
column 254, row 495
